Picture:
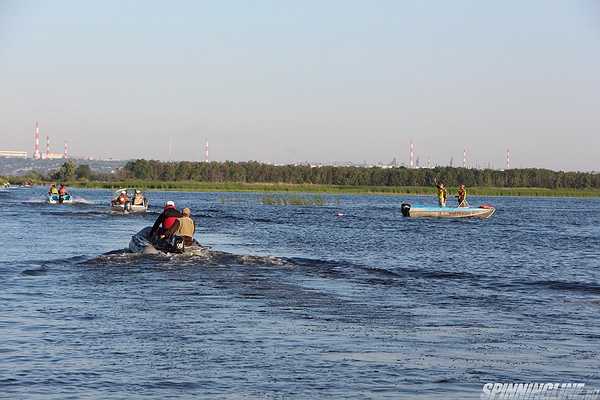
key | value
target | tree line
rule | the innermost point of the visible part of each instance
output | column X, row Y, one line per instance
column 255, row 172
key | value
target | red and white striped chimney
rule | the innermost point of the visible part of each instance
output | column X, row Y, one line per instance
column 36, row 147
column 47, row 146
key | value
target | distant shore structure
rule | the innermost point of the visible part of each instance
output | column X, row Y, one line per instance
column 48, row 155
column 206, row 151
column 36, row 143
column 507, row 158
column 412, row 155
column 13, row 154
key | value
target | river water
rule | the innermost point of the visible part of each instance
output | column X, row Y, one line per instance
column 302, row 301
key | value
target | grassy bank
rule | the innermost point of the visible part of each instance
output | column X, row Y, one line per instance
column 331, row 189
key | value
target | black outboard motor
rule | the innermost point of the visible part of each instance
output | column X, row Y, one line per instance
column 177, row 244
column 171, row 245
column 405, row 208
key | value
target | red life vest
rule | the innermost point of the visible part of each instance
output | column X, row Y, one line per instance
column 169, row 221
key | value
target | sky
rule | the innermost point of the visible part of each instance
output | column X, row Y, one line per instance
column 306, row 81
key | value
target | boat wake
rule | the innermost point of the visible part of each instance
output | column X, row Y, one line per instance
column 82, row 200
column 206, row 257
column 44, row 200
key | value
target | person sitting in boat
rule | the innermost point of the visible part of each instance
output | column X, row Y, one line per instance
column 183, row 227
column 62, row 190
column 53, row 190
column 122, row 199
column 461, row 197
column 442, row 194
column 138, row 199
column 165, row 220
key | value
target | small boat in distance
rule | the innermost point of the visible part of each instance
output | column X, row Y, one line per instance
column 484, row 211
column 136, row 201
column 57, row 199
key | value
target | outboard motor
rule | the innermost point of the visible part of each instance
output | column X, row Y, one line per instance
column 405, row 208
column 177, row 244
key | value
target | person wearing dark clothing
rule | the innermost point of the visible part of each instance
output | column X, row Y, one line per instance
column 166, row 219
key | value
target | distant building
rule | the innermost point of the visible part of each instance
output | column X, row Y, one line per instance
column 53, row 156
column 13, row 154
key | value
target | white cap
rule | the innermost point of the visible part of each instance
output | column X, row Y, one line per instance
column 170, row 203
column 123, row 192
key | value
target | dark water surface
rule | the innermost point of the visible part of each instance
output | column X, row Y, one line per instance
column 305, row 304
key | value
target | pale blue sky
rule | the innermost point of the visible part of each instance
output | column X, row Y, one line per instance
column 321, row 80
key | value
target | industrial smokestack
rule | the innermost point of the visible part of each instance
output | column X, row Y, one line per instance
column 36, row 147
column 47, row 146
column 206, row 151
column 66, row 153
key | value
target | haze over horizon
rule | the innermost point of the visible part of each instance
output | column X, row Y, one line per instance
column 306, row 81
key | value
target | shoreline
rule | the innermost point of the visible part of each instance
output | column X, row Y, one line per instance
column 224, row 187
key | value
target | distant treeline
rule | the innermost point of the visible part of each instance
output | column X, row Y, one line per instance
column 255, row 172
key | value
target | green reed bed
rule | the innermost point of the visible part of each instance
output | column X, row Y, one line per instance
column 330, row 189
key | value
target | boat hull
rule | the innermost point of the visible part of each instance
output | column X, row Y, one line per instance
column 482, row 212
column 120, row 208
column 55, row 199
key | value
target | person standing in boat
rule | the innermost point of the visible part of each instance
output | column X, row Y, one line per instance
column 442, row 194
column 461, row 197
column 183, row 227
column 166, row 219
column 53, row 190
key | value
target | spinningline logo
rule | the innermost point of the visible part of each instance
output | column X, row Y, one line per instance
column 538, row 391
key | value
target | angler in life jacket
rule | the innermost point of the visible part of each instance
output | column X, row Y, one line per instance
column 183, row 227
column 123, row 199
column 165, row 220
column 138, row 199
column 53, row 190
column 442, row 194
column 62, row 192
